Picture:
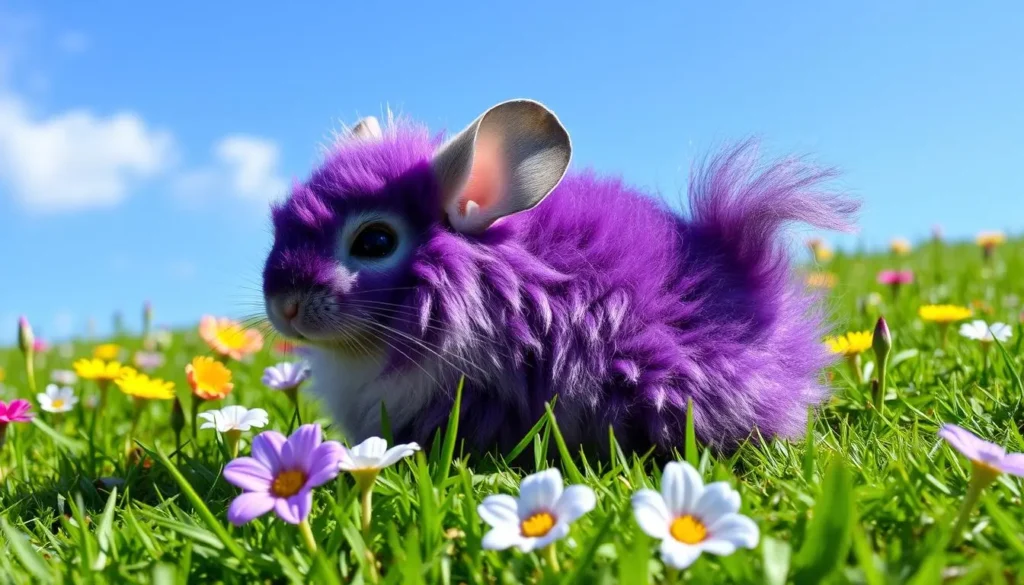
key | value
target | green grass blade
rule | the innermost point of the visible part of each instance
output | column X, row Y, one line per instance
column 450, row 435
column 31, row 560
column 692, row 457
column 570, row 466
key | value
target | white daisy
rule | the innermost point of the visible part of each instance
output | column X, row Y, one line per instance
column 57, row 399
column 63, row 377
column 690, row 518
column 539, row 516
column 979, row 330
column 234, row 418
column 367, row 459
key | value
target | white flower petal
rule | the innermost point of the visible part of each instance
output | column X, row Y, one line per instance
column 499, row 510
column 574, row 502
column 559, row 531
column 681, row 486
column 208, row 425
column 737, row 529
column 651, row 513
column 371, row 449
column 396, row 453
column 539, row 492
column 678, row 555
column 501, row 538
column 718, row 546
column 717, row 500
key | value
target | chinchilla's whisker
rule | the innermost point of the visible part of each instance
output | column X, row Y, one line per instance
column 409, row 338
column 406, row 356
column 382, row 313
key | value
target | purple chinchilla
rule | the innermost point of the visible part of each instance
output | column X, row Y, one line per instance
column 407, row 260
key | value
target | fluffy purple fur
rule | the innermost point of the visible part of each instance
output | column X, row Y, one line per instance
column 601, row 295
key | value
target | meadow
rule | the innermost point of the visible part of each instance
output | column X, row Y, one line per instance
column 102, row 493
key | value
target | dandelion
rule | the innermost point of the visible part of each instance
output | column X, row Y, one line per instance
column 141, row 388
column 690, row 518
column 15, row 411
column 851, row 345
column 895, row 279
column 281, row 475
column 541, row 515
column 988, row 461
column 229, row 338
column 899, row 246
column 824, row 280
column 232, row 421
column 63, row 377
column 147, row 361
column 365, row 461
column 27, row 345
column 57, row 399
column 988, row 242
column 101, row 372
column 943, row 316
column 106, row 351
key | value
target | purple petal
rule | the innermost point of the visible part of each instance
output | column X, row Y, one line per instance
column 1013, row 464
column 248, row 506
column 964, row 441
column 324, row 463
column 297, row 453
column 249, row 474
column 294, row 510
column 266, row 448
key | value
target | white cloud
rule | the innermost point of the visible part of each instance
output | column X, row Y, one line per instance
column 73, row 42
column 246, row 167
column 75, row 159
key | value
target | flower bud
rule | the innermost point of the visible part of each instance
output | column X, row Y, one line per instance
column 26, row 341
column 177, row 417
column 881, row 341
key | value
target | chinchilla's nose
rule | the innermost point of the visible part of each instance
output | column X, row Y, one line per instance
column 285, row 307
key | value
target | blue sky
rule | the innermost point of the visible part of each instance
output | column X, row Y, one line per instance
column 139, row 144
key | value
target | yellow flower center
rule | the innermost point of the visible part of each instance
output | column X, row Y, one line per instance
column 688, row 530
column 58, row 403
column 288, row 483
column 537, row 525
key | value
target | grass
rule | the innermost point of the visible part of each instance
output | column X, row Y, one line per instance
column 869, row 497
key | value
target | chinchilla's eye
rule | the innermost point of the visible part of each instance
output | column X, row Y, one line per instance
column 376, row 240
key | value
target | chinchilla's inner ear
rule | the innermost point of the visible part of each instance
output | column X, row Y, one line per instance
column 508, row 160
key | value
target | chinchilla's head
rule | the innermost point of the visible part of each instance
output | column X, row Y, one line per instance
column 346, row 240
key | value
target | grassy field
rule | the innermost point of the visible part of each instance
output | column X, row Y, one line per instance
column 871, row 497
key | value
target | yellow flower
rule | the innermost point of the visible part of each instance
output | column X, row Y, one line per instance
column 991, row 239
column 821, row 280
column 943, row 314
column 899, row 246
column 106, row 351
column 142, row 386
column 99, row 370
column 229, row 338
column 209, row 379
column 850, row 344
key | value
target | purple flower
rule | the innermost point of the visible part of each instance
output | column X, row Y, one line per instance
column 286, row 375
column 281, row 474
column 986, row 457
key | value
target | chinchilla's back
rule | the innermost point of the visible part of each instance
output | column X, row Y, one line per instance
column 625, row 309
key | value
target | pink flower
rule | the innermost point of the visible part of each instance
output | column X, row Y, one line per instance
column 895, row 277
column 17, row 411
column 281, row 474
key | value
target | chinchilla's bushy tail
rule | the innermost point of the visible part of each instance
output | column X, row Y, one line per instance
column 746, row 205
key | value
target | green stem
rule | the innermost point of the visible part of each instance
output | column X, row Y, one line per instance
column 30, row 370
column 981, row 477
column 551, row 555
column 858, row 373
column 196, row 403
column 883, row 366
column 943, row 327
column 307, row 535
column 232, row 438
column 3, row 434
column 366, row 501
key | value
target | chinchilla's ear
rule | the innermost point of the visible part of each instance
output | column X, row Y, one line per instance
column 508, row 160
column 367, row 128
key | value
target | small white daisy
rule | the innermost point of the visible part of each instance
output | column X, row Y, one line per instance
column 979, row 330
column 539, row 516
column 57, row 399
column 234, row 418
column 63, row 377
column 366, row 460
column 690, row 518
